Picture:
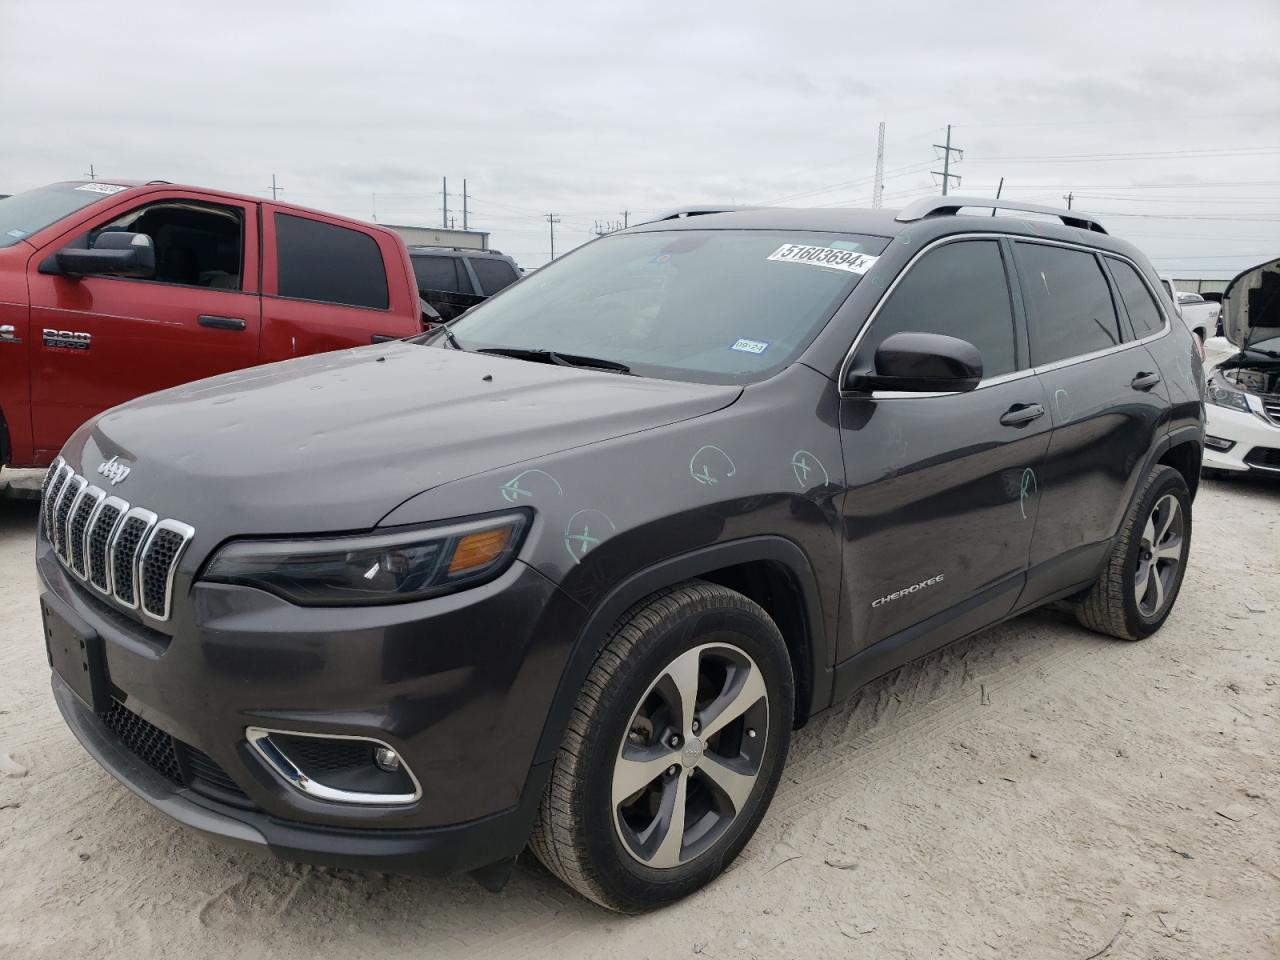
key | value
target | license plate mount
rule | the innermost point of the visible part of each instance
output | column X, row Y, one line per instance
column 76, row 654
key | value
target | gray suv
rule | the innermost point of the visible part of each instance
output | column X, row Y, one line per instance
column 453, row 279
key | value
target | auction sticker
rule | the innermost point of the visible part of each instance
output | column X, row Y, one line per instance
column 107, row 188
column 846, row 260
column 750, row 346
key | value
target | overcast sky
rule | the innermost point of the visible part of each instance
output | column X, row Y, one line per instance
column 1165, row 116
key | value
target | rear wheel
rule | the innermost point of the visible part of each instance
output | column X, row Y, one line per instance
column 1138, row 586
column 673, row 751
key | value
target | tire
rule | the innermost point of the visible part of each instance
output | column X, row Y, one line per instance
column 619, row 733
column 1113, row 605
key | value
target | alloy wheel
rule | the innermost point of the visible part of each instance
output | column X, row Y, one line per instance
column 691, row 755
column 1159, row 556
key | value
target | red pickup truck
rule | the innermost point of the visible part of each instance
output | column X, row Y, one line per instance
column 112, row 290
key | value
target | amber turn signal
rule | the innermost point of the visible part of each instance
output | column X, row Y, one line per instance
column 478, row 550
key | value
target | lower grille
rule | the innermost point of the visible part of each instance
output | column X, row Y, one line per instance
column 316, row 756
column 1266, row 457
column 170, row 757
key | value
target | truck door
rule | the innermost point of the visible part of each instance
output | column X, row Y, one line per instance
column 99, row 341
column 329, row 284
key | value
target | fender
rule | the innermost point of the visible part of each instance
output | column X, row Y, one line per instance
column 820, row 653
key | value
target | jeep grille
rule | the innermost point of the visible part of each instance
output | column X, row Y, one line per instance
column 126, row 553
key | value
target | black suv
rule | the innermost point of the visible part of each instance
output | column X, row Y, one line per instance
column 453, row 279
column 569, row 571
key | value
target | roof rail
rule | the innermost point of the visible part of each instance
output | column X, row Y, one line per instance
column 682, row 213
column 949, row 206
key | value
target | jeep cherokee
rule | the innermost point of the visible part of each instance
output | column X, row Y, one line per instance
column 567, row 572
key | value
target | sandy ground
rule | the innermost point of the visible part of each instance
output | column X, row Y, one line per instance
column 1035, row 792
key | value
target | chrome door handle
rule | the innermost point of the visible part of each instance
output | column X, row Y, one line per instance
column 1020, row 414
column 220, row 323
column 1144, row 381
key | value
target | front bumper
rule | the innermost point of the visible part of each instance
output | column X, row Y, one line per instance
column 1247, row 431
column 460, row 686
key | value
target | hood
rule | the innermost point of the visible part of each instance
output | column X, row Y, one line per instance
column 1251, row 305
column 335, row 441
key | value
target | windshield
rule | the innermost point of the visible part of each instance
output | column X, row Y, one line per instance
column 25, row 213
column 717, row 306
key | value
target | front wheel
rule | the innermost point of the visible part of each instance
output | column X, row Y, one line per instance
column 673, row 751
column 1138, row 587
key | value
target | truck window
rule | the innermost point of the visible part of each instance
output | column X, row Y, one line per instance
column 493, row 275
column 328, row 263
column 440, row 274
column 197, row 244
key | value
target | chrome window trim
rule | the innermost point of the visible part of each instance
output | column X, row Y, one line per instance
column 123, row 507
column 260, row 740
column 62, row 547
column 150, row 519
column 186, row 531
column 97, row 494
column 1016, row 374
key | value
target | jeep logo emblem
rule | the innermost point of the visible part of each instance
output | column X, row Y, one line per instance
column 113, row 470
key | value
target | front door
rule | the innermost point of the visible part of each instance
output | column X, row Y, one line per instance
column 942, row 489
column 99, row 341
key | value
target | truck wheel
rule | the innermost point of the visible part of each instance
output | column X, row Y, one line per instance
column 1141, row 579
column 673, row 751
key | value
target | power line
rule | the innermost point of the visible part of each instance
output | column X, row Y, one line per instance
column 1143, row 155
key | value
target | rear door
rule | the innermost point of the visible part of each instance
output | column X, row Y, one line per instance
column 99, row 341
column 942, row 487
column 1107, row 403
column 329, row 284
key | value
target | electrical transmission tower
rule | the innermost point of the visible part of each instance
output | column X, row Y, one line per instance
column 877, row 193
column 552, row 219
column 947, row 150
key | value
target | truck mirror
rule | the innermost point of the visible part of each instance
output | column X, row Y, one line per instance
column 114, row 254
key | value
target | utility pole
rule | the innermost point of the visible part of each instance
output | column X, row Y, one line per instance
column 91, row 174
column 877, row 192
column 1069, row 197
column 998, row 189
column 375, row 207
column 626, row 214
column 552, row 219
column 946, row 174
column 275, row 187
column 444, row 202
column 464, row 203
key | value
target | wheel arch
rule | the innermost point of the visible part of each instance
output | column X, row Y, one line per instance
column 772, row 571
column 1183, row 450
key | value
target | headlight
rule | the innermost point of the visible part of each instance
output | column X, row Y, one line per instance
column 393, row 567
column 1218, row 392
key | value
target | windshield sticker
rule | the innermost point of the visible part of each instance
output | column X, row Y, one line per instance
column 751, row 346
column 17, row 234
column 831, row 257
column 106, row 188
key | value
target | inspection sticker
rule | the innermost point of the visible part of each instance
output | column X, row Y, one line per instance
column 846, row 260
column 107, row 188
column 751, row 346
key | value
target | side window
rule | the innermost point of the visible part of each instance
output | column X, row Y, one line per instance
column 1143, row 312
column 1069, row 308
column 436, row 273
column 960, row 290
column 196, row 244
column 493, row 275
column 331, row 264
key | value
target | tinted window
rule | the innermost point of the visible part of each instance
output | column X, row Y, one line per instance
column 960, row 290
column 1143, row 312
column 493, row 275
column 436, row 273
column 1069, row 308
column 196, row 244
column 332, row 264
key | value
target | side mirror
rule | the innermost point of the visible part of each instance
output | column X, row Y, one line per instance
column 921, row 363
column 113, row 254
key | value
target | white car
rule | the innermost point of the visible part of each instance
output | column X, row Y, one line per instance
column 1200, row 315
column 1242, row 429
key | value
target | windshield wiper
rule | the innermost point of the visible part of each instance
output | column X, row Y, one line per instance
column 560, row 359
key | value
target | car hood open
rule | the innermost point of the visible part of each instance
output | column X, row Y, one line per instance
column 1251, row 305
column 335, row 441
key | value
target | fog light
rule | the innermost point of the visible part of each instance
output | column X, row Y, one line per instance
column 1218, row 443
column 386, row 759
